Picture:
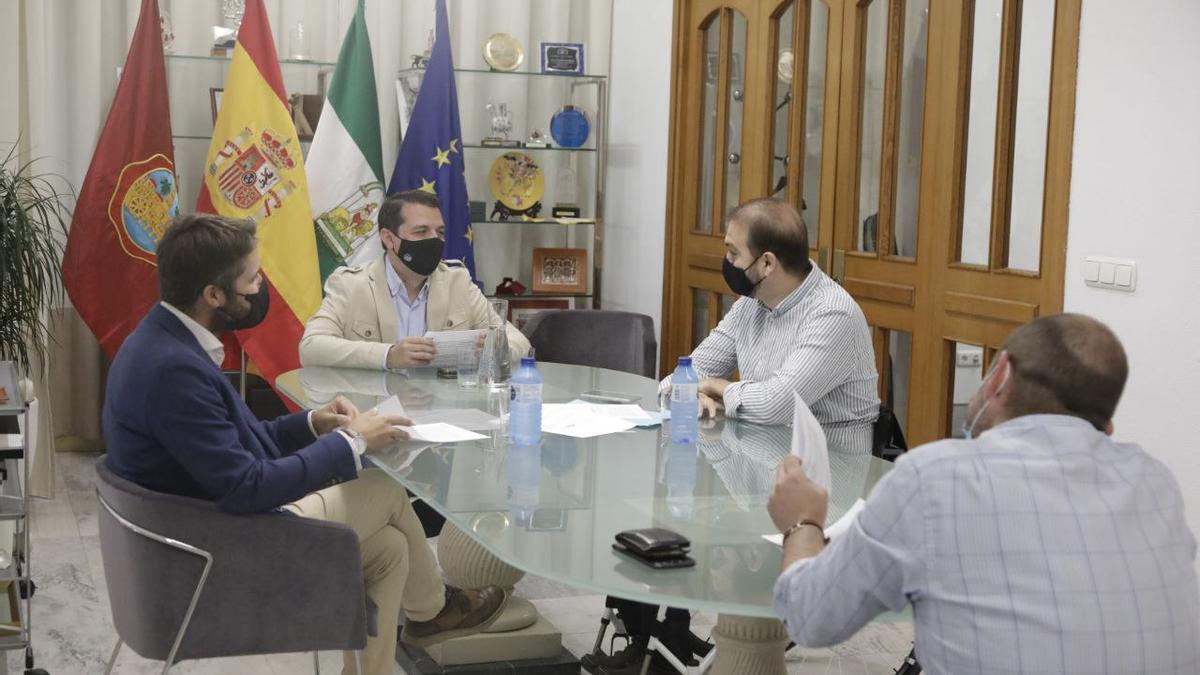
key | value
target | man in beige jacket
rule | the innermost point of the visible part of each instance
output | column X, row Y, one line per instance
column 376, row 315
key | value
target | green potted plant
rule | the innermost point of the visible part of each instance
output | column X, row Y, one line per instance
column 33, row 226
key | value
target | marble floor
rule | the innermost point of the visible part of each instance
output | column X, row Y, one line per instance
column 73, row 634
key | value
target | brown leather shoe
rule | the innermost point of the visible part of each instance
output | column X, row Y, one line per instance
column 466, row 612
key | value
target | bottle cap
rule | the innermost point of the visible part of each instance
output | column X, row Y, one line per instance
column 528, row 361
column 685, row 360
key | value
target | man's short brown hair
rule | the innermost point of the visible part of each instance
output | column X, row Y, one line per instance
column 202, row 249
column 391, row 214
column 775, row 225
column 1066, row 364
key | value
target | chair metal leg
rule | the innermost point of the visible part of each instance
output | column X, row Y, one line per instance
column 316, row 664
column 173, row 543
column 112, row 660
column 604, row 621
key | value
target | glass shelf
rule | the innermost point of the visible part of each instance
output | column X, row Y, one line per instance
column 508, row 148
column 482, row 71
column 282, row 62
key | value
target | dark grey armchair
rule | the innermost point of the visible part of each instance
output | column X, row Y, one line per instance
column 188, row 581
column 599, row 338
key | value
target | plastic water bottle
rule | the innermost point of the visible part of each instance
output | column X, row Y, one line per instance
column 685, row 402
column 525, row 408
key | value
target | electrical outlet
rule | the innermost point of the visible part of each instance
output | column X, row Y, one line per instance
column 969, row 359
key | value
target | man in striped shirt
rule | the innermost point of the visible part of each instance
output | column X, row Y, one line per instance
column 794, row 330
column 1037, row 544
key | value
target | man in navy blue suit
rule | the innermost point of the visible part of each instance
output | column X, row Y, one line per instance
column 173, row 423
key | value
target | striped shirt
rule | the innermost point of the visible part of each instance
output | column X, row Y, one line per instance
column 815, row 343
column 1043, row 546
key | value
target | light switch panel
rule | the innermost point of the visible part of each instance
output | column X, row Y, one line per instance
column 1114, row 274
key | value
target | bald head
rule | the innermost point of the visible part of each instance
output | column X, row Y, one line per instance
column 1067, row 364
column 775, row 225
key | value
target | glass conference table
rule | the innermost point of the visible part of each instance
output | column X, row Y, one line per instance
column 553, row 509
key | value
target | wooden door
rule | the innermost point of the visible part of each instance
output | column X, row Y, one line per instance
column 736, row 123
column 928, row 147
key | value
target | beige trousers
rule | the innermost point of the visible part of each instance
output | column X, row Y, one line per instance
column 399, row 570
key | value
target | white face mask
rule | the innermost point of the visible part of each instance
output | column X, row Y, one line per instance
column 968, row 429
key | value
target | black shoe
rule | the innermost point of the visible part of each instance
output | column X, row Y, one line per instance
column 631, row 654
column 699, row 647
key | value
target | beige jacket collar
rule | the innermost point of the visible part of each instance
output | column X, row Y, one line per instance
column 436, row 310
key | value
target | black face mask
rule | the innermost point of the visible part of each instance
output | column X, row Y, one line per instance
column 421, row 255
column 260, row 302
column 736, row 277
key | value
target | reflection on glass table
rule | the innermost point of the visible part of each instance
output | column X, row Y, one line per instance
column 554, row 509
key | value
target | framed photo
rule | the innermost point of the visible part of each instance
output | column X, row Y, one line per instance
column 214, row 99
column 562, row 58
column 520, row 310
column 560, row 270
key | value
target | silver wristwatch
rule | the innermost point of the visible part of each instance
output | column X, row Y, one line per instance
column 358, row 442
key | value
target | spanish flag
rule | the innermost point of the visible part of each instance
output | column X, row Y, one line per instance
column 255, row 169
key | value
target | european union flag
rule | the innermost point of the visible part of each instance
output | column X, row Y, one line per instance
column 431, row 153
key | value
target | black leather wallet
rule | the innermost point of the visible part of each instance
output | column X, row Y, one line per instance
column 662, row 560
column 654, row 542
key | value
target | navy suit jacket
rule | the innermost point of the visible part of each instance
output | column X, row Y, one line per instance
column 174, row 423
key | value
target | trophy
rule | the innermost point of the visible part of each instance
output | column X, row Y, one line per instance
column 536, row 140
column 225, row 35
column 501, row 125
column 566, row 187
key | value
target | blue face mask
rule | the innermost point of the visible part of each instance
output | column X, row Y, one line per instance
column 968, row 429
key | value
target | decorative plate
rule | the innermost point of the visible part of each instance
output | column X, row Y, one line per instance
column 503, row 52
column 516, row 181
column 570, row 127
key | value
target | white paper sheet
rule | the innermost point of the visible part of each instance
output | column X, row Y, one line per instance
column 440, row 432
column 568, row 419
column 832, row 531
column 390, row 406
column 466, row 418
column 625, row 411
column 449, row 343
column 808, row 443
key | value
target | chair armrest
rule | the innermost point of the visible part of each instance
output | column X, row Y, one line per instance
column 278, row 583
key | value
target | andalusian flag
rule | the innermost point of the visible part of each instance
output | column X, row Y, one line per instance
column 345, row 162
column 255, row 169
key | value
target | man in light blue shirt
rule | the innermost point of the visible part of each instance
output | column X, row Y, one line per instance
column 1036, row 545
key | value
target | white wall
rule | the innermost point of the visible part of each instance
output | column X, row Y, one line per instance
column 636, row 200
column 1135, row 193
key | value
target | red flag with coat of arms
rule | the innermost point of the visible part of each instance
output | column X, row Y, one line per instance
column 128, row 197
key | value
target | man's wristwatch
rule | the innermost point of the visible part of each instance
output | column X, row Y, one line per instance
column 358, row 442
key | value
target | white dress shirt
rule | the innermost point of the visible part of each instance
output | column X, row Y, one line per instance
column 1043, row 546
column 212, row 346
column 815, row 343
column 409, row 313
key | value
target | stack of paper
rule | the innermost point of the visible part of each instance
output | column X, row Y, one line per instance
column 626, row 411
column 580, row 421
column 808, row 443
column 449, row 343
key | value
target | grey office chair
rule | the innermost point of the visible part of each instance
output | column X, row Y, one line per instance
column 188, row 581
column 599, row 338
